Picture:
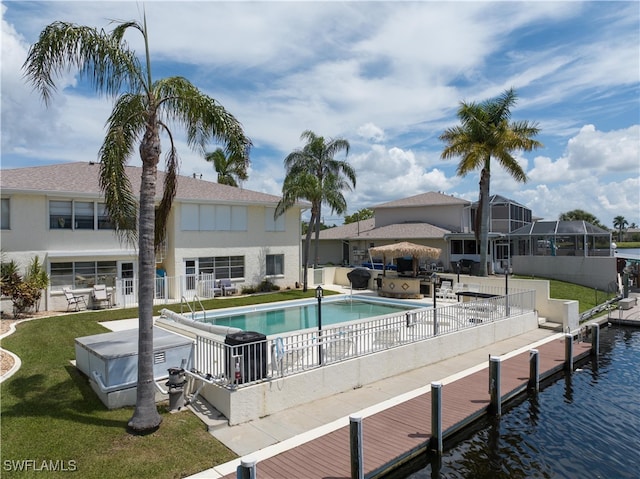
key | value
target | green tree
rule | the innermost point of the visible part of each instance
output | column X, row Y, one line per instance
column 620, row 224
column 485, row 132
column 360, row 215
column 143, row 108
column 230, row 169
column 581, row 215
column 313, row 174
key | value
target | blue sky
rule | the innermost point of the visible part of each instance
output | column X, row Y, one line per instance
column 386, row 76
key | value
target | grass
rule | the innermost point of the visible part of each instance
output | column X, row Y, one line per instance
column 50, row 413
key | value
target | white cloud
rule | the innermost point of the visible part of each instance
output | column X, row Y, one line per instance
column 371, row 132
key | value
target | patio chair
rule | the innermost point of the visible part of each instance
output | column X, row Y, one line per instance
column 73, row 300
column 286, row 357
column 227, row 287
column 337, row 348
column 444, row 290
column 211, row 289
column 386, row 339
column 100, row 295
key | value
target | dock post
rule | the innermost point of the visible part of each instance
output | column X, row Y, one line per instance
column 355, row 439
column 534, row 370
column 568, row 352
column 595, row 339
column 247, row 468
column 436, row 417
column 495, row 406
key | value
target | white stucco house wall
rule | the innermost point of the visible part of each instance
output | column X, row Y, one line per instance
column 57, row 213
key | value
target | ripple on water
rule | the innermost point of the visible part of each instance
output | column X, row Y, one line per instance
column 583, row 425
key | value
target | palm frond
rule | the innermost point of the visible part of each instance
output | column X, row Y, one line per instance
column 102, row 59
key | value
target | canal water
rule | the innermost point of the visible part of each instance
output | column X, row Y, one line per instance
column 586, row 425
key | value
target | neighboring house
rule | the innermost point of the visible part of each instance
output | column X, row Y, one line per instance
column 432, row 219
column 422, row 219
column 214, row 232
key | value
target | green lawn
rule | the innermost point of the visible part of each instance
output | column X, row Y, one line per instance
column 49, row 412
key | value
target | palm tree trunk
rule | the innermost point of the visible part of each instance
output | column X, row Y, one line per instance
column 305, row 258
column 145, row 416
column 484, row 219
column 316, row 243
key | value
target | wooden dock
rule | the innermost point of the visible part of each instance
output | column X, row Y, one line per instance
column 393, row 436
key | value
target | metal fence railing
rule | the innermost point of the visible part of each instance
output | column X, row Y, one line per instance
column 168, row 289
column 241, row 365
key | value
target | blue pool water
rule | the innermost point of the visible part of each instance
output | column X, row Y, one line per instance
column 586, row 425
column 278, row 320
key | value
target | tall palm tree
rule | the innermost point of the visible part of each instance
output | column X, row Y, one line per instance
column 485, row 132
column 620, row 224
column 230, row 169
column 143, row 108
column 313, row 174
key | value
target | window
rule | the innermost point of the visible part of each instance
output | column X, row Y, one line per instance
column 78, row 215
column 220, row 266
column 456, row 246
column 271, row 224
column 5, row 217
column 104, row 223
column 213, row 218
column 60, row 214
column 83, row 215
column 82, row 274
column 275, row 264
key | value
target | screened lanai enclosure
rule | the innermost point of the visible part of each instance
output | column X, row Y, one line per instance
column 561, row 238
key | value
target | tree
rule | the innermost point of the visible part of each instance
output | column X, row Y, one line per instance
column 143, row 108
column 313, row 174
column 620, row 224
column 485, row 132
column 230, row 169
column 360, row 215
column 581, row 215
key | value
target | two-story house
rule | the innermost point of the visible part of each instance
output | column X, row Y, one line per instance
column 433, row 219
column 215, row 231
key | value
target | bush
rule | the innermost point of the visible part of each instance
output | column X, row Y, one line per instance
column 25, row 293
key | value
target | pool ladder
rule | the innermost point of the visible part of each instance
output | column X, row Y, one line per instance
column 184, row 302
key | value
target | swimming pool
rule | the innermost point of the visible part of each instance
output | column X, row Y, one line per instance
column 299, row 315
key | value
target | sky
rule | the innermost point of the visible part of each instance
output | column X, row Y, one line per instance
column 387, row 76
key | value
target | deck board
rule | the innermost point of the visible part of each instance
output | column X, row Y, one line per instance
column 392, row 433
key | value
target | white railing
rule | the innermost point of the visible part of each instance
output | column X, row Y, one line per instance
column 165, row 291
column 241, row 365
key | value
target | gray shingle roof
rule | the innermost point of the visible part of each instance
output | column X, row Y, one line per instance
column 432, row 198
column 81, row 179
column 395, row 231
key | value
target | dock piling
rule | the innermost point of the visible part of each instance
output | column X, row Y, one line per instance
column 534, row 370
column 247, row 468
column 355, row 440
column 595, row 339
column 495, row 406
column 436, row 417
column 568, row 352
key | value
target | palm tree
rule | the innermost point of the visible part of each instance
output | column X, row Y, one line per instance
column 143, row 109
column 486, row 132
column 620, row 224
column 230, row 168
column 313, row 174
column 581, row 215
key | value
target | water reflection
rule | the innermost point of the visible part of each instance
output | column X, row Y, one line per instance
column 583, row 425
